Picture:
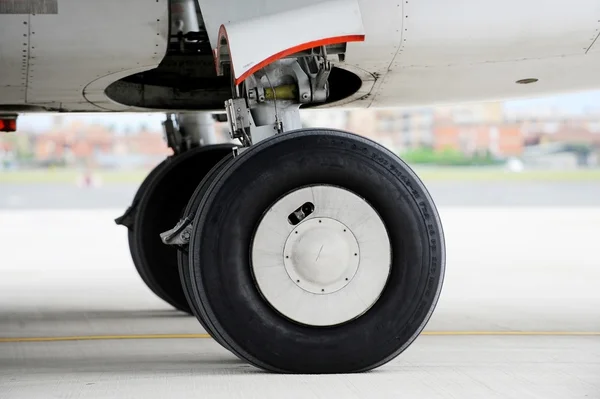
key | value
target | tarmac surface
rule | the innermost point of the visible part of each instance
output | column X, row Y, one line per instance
column 519, row 316
column 445, row 193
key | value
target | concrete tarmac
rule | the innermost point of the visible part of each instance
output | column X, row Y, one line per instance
column 519, row 317
column 445, row 193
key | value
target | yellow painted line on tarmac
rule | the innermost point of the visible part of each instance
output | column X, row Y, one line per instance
column 102, row 337
column 189, row 336
column 521, row 333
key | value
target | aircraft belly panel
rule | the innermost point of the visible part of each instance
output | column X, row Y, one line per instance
column 470, row 50
column 14, row 49
column 415, row 51
column 595, row 39
column 489, row 81
column 470, row 31
column 84, row 41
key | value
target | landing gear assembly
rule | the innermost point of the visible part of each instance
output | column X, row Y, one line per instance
column 307, row 250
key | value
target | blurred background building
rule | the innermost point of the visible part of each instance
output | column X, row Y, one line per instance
column 492, row 133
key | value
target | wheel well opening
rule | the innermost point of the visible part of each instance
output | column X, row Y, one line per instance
column 342, row 84
column 191, row 83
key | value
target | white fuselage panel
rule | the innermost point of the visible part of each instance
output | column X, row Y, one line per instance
column 85, row 42
column 14, row 49
column 415, row 51
column 468, row 50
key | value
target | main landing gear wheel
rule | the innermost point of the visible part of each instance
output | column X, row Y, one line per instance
column 316, row 251
column 158, row 206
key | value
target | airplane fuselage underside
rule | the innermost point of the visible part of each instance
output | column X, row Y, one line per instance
column 74, row 55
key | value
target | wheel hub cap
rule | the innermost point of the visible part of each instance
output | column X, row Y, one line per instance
column 321, row 256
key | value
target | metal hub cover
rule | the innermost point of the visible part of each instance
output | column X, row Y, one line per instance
column 321, row 255
column 328, row 268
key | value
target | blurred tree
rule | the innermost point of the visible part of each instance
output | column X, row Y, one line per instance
column 447, row 157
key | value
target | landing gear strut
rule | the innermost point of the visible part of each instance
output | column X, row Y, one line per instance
column 312, row 250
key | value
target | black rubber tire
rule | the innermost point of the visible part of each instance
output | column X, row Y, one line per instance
column 133, row 246
column 183, row 257
column 225, row 222
column 159, row 204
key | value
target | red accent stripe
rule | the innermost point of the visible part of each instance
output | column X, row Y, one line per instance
column 301, row 47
